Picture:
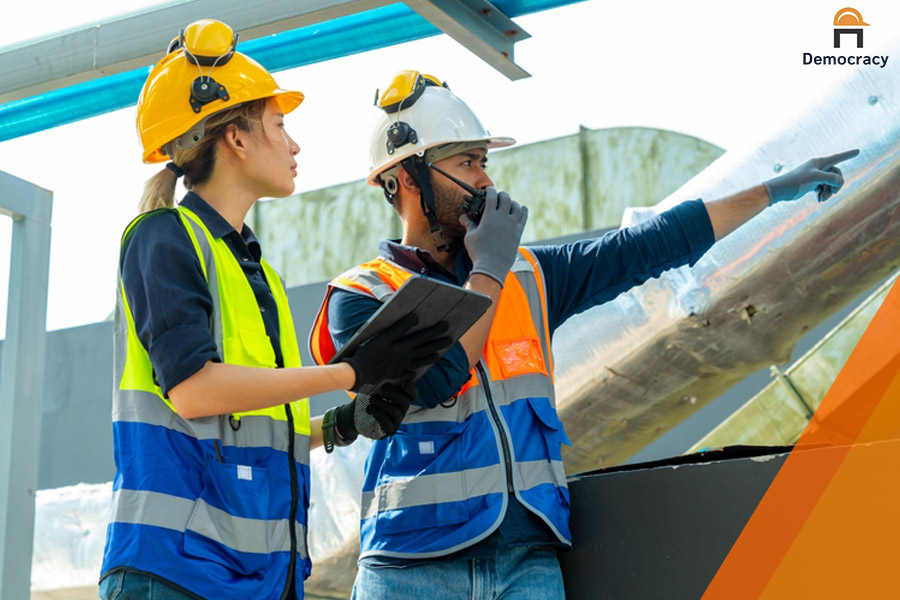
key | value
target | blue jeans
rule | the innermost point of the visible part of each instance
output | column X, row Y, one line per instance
column 509, row 573
column 128, row 585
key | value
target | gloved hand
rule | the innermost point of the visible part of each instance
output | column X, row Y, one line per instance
column 377, row 416
column 815, row 174
column 493, row 243
column 393, row 355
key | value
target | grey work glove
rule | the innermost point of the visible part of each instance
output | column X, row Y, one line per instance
column 818, row 174
column 375, row 416
column 493, row 243
column 393, row 354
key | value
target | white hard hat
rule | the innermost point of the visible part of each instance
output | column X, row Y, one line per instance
column 419, row 113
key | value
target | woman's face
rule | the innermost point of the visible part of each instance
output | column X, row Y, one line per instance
column 270, row 155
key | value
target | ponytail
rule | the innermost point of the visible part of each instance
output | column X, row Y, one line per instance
column 196, row 162
column 159, row 192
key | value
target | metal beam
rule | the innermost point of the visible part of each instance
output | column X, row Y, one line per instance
column 22, row 377
column 479, row 26
column 139, row 39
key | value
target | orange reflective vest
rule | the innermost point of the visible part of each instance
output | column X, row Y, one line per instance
column 442, row 482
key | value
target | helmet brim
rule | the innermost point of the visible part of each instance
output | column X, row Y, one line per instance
column 491, row 143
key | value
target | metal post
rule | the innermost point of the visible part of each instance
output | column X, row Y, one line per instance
column 22, row 378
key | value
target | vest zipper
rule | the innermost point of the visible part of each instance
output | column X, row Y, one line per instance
column 494, row 412
column 291, row 583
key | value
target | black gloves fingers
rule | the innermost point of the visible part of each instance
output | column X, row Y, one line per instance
column 388, row 355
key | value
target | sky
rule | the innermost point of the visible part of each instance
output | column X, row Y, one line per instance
column 730, row 73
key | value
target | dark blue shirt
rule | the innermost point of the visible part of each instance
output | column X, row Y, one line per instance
column 578, row 276
column 169, row 297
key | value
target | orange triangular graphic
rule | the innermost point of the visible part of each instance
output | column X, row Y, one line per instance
column 828, row 527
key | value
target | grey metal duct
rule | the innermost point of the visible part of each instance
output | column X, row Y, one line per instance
column 632, row 369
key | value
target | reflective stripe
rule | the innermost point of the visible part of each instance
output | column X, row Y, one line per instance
column 445, row 487
column 468, row 403
column 458, row 412
column 521, row 264
column 542, row 297
column 172, row 512
column 534, row 473
column 197, row 232
column 369, row 279
column 428, row 489
column 255, row 431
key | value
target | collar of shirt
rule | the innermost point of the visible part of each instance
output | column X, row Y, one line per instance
column 422, row 262
column 220, row 228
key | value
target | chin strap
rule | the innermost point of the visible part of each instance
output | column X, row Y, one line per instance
column 419, row 172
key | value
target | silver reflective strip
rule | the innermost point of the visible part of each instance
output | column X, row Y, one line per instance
column 462, row 409
column 505, row 392
column 536, row 472
column 382, row 292
column 120, row 336
column 173, row 512
column 430, row 489
column 256, row 431
column 370, row 279
column 521, row 264
column 212, row 281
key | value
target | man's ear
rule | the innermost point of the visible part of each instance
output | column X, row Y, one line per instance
column 407, row 182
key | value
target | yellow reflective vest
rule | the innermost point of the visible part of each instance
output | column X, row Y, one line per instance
column 214, row 505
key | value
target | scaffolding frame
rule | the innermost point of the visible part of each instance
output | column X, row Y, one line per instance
column 22, row 377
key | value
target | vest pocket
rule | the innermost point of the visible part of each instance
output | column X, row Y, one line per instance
column 221, row 527
column 519, row 357
column 422, row 482
column 552, row 431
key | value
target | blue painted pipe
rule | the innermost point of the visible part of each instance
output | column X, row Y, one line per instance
column 352, row 34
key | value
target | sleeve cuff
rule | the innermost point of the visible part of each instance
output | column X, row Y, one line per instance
column 693, row 218
column 180, row 352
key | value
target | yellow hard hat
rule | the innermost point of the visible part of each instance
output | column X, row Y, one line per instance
column 201, row 75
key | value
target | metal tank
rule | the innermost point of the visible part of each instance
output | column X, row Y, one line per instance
column 632, row 369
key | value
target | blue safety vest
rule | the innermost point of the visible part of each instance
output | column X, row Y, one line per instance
column 442, row 482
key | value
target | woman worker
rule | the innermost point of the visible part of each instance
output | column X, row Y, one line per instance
column 211, row 434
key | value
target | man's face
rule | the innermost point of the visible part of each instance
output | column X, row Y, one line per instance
column 467, row 166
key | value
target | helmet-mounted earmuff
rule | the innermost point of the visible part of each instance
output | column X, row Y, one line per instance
column 206, row 51
column 403, row 91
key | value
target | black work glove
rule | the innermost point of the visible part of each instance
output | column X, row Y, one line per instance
column 375, row 416
column 392, row 355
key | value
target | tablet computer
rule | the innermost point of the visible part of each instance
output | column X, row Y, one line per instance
column 431, row 301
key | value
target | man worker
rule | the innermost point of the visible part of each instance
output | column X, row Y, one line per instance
column 469, row 499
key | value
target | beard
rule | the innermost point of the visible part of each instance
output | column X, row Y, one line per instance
column 448, row 204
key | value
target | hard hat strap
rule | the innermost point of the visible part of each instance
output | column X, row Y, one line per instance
column 417, row 168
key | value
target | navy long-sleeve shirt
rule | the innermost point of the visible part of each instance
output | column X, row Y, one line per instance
column 169, row 297
column 577, row 276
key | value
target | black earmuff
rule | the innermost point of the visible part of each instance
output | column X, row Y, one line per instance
column 204, row 90
column 398, row 134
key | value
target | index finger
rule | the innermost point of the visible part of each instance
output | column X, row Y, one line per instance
column 828, row 161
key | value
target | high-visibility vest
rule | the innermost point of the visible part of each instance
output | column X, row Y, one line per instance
column 215, row 505
column 442, row 482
